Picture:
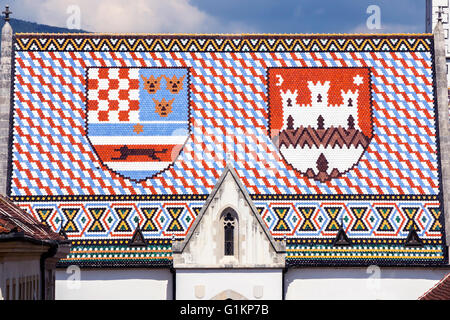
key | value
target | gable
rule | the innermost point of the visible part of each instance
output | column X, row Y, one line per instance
column 254, row 245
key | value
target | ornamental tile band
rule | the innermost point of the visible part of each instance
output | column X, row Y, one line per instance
column 232, row 43
column 300, row 220
column 366, row 254
column 119, row 256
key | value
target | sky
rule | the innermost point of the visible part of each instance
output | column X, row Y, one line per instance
column 229, row 16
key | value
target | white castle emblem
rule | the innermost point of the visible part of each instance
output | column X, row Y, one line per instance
column 307, row 115
column 320, row 140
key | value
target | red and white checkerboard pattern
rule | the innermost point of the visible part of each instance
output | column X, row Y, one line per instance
column 113, row 95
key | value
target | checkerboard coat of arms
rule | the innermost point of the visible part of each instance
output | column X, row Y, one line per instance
column 321, row 118
column 137, row 118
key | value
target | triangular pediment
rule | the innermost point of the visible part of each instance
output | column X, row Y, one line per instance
column 203, row 246
column 137, row 239
column 413, row 240
column 341, row 238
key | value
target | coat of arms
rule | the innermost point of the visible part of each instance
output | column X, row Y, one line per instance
column 321, row 118
column 137, row 118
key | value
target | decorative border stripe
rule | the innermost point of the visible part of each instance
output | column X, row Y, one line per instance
column 118, row 258
column 289, row 241
column 118, row 242
column 184, row 197
column 364, row 255
column 220, row 43
column 386, row 197
column 114, row 255
column 354, row 250
column 383, row 241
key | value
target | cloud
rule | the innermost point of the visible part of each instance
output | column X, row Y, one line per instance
column 146, row 16
column 233, row 16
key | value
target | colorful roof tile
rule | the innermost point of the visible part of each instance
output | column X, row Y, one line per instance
column 157, row 253
column 111, row 132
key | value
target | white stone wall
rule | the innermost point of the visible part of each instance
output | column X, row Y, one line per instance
column 251, row 284
column 114, row 284
column 361, row 283
column 22, row 277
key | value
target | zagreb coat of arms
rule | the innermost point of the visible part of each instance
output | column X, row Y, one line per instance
column 320, row 118
column 137, row 118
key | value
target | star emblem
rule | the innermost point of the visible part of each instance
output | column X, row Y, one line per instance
column 357, row 80
column 138, row 128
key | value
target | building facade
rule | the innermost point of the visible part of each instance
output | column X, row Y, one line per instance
column 29, row 252
column 241, row 167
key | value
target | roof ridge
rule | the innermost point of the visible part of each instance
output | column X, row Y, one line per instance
column 93, row 34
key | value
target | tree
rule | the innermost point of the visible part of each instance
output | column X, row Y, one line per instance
column 351, row 122
column 322, row 163
column 290, row 123
column 320, row 122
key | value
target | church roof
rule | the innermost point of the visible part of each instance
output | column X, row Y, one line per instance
column 16, row 224
column 111, row 132
column 107, row 254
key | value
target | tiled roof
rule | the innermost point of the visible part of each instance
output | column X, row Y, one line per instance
column 16, row 223
column 71, row 169
column 362, row 254
column 441, row 291
column 157, row 253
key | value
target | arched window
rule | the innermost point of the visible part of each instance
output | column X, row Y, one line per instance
column 229, row 234
column 229, row 221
